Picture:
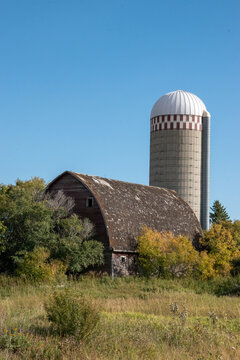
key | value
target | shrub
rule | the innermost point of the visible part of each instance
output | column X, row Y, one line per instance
column 229, row 286
column 71, row 316
column 34, row 267
column 163, row 254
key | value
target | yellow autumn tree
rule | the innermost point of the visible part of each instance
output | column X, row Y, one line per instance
column 222, row 248
column 163, row 254
column 205, row 266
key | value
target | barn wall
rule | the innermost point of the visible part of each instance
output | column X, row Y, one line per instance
column 76, row 190
column 123, row 264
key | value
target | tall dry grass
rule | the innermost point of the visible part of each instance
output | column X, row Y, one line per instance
column 136, row 321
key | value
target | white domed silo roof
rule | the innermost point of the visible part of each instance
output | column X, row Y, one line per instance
column 178, row 103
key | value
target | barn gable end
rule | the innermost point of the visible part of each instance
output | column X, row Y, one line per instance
column 78, row 191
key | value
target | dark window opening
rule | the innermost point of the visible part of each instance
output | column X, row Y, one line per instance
column 90, row 202
column 123, row 259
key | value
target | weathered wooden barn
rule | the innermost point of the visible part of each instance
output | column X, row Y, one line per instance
column 118, row 211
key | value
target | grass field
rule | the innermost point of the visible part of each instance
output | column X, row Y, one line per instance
column 139, row 319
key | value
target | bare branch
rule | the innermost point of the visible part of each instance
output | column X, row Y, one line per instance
column 60, row 200
column 88, row 228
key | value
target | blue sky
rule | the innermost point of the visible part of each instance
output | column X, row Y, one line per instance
column 78, row 79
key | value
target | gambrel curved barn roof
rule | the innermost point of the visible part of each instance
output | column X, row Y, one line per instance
column 127, row 207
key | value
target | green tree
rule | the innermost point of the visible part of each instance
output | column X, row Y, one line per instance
column 75, row 245
column 218, row 213
column 29, row 218
column 27, row 221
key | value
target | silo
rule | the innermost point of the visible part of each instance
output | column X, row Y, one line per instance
column 179, row 149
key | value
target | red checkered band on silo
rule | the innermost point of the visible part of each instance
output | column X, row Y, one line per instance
column 176, row 122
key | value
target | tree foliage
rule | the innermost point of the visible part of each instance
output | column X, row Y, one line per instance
column 234, row 228
column 74, row 244
column 222, row 248
column 163, row 254
column 235, row 231
column 31, row 219
column 218, row 213
column 36, row 267
column 27, row 221
column 2, row 230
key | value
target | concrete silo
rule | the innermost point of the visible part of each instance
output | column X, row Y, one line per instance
column 180, row 149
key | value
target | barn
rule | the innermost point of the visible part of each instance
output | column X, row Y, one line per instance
column 120, row 209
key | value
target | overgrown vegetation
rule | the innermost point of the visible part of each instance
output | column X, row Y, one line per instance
column 35, row 267
column 164, row 255
column 139, row 318
column 36, row 227
column 70, row 315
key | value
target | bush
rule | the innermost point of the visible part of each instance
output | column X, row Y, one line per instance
column 163, row 254
column 71, row 316
column 229, row 286
column 34, row 267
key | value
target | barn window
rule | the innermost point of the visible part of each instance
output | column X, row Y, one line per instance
column 123, row 259
column 89, row 202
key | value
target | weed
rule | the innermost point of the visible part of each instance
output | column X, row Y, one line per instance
column 15, row 341
column 213, row 317
column 182, row 315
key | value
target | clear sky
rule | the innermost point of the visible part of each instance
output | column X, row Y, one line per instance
column 78, row 79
